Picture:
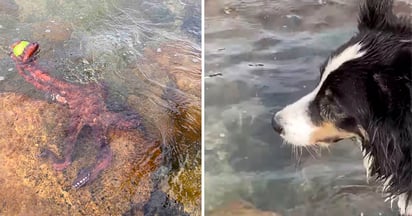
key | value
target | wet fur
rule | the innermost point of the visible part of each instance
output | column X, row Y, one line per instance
column 365, row 91
column 381, row 103
column 388, row 119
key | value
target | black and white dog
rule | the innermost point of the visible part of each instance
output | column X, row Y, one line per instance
column 364, row 92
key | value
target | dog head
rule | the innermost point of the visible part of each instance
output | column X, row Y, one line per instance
column 363, row 85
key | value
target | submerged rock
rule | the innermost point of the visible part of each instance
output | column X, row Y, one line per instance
column 185, row 187
column 182, row 62
column 27, row 126
column 178, row 64
column 8, row 7
column 192, row 21
column 157, row 12
column 54, row 31
column 241, row 208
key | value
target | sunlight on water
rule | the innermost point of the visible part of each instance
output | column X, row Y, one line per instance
column 147, row 55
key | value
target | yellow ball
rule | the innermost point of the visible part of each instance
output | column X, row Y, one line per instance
column 19, row 48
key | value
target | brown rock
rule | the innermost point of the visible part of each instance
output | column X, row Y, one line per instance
column 54, row 31
column 8, row 7
column 181, row 61
column 173, row 71
column 30, row 186
column 28, row 9
column 241, row 208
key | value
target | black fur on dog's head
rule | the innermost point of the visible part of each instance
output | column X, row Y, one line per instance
column 365, row 91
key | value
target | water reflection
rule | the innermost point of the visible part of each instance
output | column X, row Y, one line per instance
column 268, row 54
column 147, row 54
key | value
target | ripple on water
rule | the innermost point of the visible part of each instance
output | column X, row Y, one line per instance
column 115, row 42
column 268, row 54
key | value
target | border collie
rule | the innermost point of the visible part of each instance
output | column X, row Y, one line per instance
column 364, row 92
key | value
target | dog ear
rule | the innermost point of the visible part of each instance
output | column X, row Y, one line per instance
column 395, row 81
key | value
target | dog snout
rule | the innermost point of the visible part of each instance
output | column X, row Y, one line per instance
column 276, row 123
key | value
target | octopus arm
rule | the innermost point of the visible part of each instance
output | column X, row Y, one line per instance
column 39, row 85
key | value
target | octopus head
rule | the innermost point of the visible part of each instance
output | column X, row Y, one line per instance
column 24, row 51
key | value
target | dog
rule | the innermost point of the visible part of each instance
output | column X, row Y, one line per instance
column 364, row 93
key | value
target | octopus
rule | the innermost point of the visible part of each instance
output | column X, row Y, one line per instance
column 86, row 106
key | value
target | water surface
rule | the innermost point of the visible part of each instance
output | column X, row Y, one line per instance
column 148, row 55
column 260, row 56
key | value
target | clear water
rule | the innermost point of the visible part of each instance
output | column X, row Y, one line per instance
column 123, row 43
column 260, row 56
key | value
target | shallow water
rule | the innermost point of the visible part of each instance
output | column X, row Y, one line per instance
column 260, row 56
column 148, row 55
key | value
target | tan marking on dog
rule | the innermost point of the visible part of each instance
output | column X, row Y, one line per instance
column 326, row 131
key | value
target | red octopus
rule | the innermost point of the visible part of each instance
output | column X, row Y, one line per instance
column 86, row 107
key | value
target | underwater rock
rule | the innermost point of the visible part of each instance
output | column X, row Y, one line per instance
column 27, row 126
column 54, row 31
column 157, row 12
column 192, row 21
column 175, row 75
column 161, row 204
column 81, row 14
column 182, row 61
column 241, row 208
column 214, row 8
column 8, row 7
column 177, row 65
column 185, row 183
column 185, row 187
column 31, row 9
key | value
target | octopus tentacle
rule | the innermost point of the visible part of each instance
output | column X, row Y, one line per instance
column 70, row 141
column 103, row 160
column 32, row 80
column 45, row 78
column 82, row 178
column 41, row 84
column 86, row 106
column 89, row 174
column 125, row 120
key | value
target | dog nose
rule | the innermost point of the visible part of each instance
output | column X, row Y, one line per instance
column 276, row 124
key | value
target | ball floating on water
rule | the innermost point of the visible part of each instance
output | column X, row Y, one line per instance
column 19, row 48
